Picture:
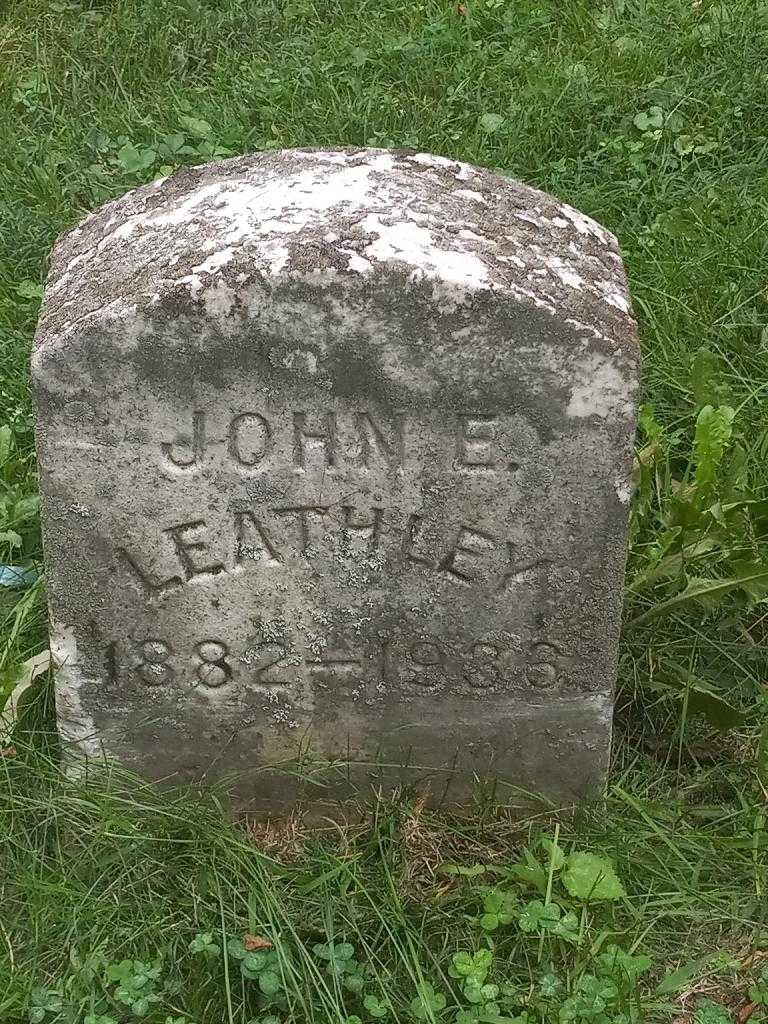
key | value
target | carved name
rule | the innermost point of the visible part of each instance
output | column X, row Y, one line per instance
column 330, row 441
column 294, row 534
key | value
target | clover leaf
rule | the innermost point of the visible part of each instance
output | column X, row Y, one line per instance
column 375, row 1007
column 204, row 944
column 538, row 917
column 427, row 1003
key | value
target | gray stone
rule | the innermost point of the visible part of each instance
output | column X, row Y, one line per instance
column 335, row 455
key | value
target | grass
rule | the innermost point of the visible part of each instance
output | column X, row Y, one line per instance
column 650, row 116
column 110, row 872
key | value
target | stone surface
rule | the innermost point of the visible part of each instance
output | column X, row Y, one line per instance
column 335, row 461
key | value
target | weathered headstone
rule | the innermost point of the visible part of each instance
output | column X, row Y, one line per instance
column 335, row 452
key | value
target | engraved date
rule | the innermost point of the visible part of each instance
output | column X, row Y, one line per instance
column 370, row 668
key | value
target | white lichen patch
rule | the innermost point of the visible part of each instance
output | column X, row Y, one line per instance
column 530, row 217
column 588, row 330
column 59, row 283
column 219, row 299
column 585, row 225
column 214, row 261
column 614, row 295
column 514, row 260
column 356, row 263
column 417, row 246
column 623, row 490
column 566, row 273
column 75, row 724
column 79, row 509
column 534, row 298
column 600, row 388
column 468, row 193
column 302, row 359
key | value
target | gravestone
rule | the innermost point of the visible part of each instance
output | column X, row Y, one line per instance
column 335, row 454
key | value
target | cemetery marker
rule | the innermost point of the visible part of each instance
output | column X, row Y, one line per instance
column 335, row 454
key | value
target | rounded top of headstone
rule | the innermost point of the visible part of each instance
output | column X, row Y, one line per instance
column 206, row 233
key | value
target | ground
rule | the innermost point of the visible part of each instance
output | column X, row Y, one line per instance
column 650, row 117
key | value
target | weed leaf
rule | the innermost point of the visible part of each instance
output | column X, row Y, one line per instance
column 591, row 878
column 702, row 697
column 676, row 980
column 702, row 592
column 491, row 123
column 714, row 428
